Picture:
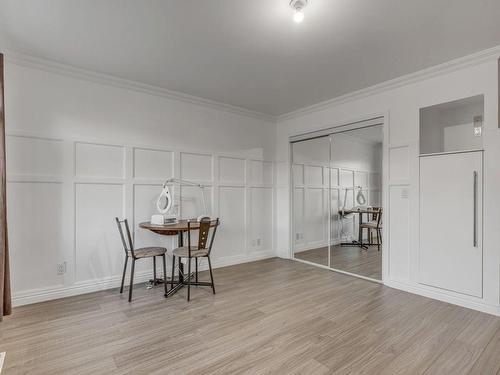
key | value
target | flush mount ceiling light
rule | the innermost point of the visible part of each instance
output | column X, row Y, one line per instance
column 298, row 6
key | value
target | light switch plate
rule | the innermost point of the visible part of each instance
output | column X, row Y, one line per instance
column 478, row 126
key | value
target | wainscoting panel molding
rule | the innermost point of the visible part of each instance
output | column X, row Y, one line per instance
column 73, row 189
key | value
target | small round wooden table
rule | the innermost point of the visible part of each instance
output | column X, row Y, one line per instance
column 178, row 230
column 360, row 211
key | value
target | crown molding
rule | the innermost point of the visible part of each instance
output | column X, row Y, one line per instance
column 444, row 68
column 106, row 79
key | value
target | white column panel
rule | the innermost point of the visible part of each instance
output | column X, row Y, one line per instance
column 399, row 163
column 261, row 211
column 99, row 252
column 399, row 214
column 298, row 216
column 230, row 240
column 35, row 217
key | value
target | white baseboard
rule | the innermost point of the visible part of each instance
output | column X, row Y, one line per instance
column 50, row 293
column 315, row 245
column 441, row 296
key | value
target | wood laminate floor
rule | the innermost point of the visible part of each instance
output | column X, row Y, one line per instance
column 351, row 259
column 268, row 317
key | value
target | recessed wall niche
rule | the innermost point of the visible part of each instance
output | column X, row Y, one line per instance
column 452, row 126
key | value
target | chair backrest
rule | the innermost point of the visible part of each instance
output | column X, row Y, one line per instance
column 379, row 217
column 203, row 234
column 128, row 245
column 375, row 213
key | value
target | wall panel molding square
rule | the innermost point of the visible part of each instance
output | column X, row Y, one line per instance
column 231, row 170
column 97, row 160
column 196, row 166
column 153, row 164
column 34, row 156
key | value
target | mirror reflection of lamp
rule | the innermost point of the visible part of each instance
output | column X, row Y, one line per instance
column 165, row 202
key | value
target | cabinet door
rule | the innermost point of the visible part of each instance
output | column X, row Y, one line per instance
column 451, row 222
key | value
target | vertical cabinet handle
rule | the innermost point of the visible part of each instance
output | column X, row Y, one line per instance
column 474, row 210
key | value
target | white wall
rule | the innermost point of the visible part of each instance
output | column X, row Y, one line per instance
column 400, row 101
column 80, row 153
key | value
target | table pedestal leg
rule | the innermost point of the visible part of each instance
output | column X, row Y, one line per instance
column 180, row 280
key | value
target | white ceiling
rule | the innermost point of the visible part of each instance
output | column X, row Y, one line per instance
column 249, row 53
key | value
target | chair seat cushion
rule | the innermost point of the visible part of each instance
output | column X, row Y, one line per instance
column 371, row 225
column 146, row 252
column 182, row 252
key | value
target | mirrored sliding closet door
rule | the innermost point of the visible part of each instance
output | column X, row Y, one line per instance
column 337, row 201
column 357, row 216
column 310, row 200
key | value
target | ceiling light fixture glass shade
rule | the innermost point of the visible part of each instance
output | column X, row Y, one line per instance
column 298, row 6
column 298, row 16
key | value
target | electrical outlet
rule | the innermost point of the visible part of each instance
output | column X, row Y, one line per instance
column 258, row 241
column 61, row 268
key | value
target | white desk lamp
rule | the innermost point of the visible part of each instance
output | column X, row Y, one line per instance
column 165, row 200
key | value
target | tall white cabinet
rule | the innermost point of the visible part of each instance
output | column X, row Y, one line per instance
column 451, row 197
column 451, row 255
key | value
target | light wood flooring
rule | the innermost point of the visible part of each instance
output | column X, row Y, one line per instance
column 351, row 259
column 268, row 317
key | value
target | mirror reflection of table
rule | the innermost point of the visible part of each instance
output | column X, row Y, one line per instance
column 360, row 211
column 175, row 229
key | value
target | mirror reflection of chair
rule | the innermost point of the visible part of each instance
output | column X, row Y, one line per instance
column 136, row 254
column 375, row 224
column 201, row 250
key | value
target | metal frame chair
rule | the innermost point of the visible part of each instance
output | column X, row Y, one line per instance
column 136, row 254
column 199, row 251
column 374, row 224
